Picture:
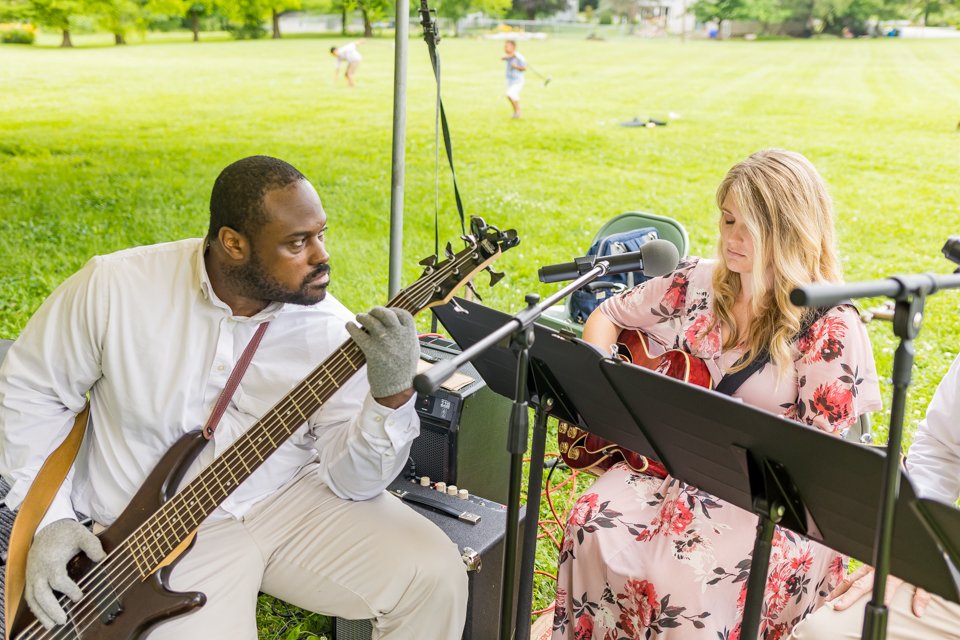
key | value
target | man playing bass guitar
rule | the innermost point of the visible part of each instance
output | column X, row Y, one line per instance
column 153, row 334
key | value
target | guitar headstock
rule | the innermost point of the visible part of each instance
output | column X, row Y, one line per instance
column 441, row 279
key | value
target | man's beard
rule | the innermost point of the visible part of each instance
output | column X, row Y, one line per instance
column 253, row 281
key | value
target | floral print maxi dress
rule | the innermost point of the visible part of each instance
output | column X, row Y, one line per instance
column 645, row 557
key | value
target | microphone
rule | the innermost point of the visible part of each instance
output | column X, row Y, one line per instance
column 655, row 258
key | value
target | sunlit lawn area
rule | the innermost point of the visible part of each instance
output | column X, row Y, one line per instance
column 105, row 147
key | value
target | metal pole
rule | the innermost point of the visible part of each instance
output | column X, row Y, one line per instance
column 399, row 145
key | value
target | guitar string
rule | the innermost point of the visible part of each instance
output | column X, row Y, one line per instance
column 146, row 531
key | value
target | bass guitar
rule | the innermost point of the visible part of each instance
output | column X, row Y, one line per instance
column 127, row 593
column 584, row 451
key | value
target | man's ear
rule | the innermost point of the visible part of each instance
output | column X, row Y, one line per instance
column 234, row 243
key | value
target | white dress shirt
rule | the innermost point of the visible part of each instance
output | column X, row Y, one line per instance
column 143, row 331
column 933, row 461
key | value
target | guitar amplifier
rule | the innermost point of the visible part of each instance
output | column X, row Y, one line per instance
column 482, row 546
column 463, row 431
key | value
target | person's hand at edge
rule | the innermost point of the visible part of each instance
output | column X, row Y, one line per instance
column 860, row 583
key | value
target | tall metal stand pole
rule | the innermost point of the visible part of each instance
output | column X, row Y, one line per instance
column 399, row 144
column 906, row 324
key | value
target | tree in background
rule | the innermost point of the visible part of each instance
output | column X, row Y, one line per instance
column 373, row 11
column 720, row 11
column 119, row 17
column 56, row 14
column 928, row 8
column 831, row 16
column 276, row 7
column 766, row 12
column 245, row 18
column 456, row 10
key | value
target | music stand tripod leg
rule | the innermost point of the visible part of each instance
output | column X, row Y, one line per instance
column 775, row 500
column 907, row 316
column 534, row 485
column 517, row 446
column 759, row 566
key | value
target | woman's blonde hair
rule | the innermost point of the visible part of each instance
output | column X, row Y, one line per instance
column 788, row 214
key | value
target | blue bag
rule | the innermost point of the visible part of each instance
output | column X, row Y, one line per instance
column 585, row 300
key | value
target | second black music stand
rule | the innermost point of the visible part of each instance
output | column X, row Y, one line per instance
column 799, row 478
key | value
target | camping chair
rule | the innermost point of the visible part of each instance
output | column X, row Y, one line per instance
column 561, row 318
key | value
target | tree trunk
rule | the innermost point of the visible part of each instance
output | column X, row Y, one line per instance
column 926, row 14
column 367, row 27
column 343, row 20
column 66, row 42
column 719, row 29
column 276, row 25
column 195, row 25
column 119, row 39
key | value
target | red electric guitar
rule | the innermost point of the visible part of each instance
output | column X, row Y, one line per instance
column 586, row 452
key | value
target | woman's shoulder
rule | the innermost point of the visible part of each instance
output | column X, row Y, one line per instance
column 829, row 335
column 695, row 268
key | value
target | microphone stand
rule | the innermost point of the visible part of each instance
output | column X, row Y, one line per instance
column 520, row 332
column 909, row 293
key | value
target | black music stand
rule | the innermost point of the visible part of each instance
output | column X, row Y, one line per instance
column 943, row 522
column 796, row 477
column 564, row 381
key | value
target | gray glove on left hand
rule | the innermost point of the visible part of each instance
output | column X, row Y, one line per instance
column 52, row 549
column 389, row 341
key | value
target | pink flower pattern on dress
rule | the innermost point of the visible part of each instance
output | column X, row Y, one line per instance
column 823, row 341
column 702, row 338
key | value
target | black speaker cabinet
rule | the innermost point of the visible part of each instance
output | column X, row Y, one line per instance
column 481, row 545
column 463, row 432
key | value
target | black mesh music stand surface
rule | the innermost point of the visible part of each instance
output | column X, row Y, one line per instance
column 943, row 523
column 703, row 438
column 566, row 367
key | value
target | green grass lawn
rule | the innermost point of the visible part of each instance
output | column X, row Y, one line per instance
column 106, row 147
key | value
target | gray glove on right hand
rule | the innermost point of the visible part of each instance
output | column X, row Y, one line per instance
column 53, row 547
column 389, row 341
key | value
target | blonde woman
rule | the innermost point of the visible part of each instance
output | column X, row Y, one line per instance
column 645, row 555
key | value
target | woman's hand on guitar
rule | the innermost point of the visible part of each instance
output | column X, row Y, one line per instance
column 388, row 339
column 52, row 549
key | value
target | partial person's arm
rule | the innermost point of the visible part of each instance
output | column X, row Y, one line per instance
column 43, row 384
column 933, row 461
column 366, row 430
column 836, row 376
column 601, row 332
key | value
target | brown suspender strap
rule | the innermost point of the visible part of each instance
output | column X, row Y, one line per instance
column 31, row 512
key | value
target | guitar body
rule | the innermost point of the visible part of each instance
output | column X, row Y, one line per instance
column 149, row 601
column 584, row 451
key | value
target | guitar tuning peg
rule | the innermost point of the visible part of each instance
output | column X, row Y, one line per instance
column 448, row 251
column 495, row 276
column 473, row 290
column 429, row 261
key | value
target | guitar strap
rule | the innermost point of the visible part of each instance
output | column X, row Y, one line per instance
column 731, row 382
column 51, row 475
column 31, row 511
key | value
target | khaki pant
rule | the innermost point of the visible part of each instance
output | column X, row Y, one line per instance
column 940, row 620
column 374, row 559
